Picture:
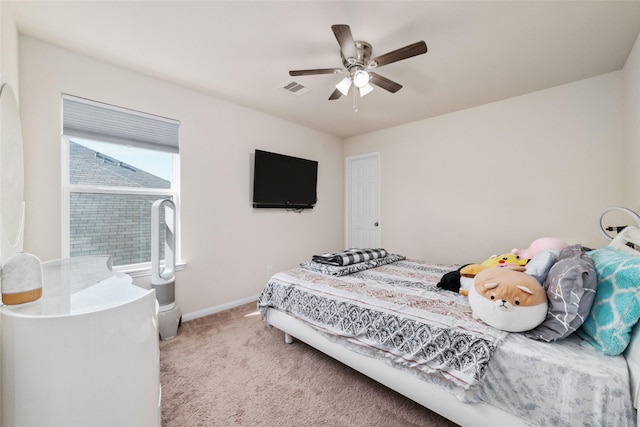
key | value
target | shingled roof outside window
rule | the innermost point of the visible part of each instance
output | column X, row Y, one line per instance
column 109, row 200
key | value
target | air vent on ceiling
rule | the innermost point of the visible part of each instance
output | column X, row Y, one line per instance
column 295, row 88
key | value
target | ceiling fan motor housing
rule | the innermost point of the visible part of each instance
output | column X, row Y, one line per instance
column 363, row 56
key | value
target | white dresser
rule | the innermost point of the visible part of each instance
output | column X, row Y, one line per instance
column 85, row 354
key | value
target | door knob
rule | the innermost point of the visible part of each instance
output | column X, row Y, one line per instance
column 375, row 224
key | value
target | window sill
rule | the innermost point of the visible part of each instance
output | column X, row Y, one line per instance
column 141, row 270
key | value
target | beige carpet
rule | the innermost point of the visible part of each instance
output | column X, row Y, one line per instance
column 230, row 369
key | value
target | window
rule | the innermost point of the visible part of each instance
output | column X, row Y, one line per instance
column 118, row 162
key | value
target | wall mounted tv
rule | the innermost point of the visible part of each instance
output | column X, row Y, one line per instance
column 281, row 181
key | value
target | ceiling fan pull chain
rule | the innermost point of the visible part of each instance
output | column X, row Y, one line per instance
column 355, row 99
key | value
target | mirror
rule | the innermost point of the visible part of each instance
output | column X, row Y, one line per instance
column 11, row 176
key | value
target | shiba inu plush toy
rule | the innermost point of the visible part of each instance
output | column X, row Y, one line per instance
column 507, row 299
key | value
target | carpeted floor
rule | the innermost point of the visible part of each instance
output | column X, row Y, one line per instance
column 230, row 369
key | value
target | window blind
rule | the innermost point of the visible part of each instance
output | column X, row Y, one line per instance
column 83, row 118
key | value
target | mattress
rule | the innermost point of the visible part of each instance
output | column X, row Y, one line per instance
column 396, row 313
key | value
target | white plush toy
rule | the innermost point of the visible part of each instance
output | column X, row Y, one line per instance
column 507, row 299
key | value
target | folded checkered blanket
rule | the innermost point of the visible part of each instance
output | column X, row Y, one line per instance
column 343, row 270
column 350, row 256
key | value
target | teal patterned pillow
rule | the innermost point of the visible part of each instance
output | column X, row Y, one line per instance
column 616, row 308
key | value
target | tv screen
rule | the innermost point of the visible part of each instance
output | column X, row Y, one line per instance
column 281, row 181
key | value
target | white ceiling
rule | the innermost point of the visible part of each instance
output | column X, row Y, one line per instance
column 241, row 51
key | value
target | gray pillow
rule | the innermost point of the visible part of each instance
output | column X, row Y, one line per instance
column 539, row 265
column 570, row 286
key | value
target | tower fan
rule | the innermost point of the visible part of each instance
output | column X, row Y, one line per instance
column 163, row 275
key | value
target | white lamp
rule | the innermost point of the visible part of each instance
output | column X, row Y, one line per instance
column 361, row 78
column 344, row 86
column 365, row 89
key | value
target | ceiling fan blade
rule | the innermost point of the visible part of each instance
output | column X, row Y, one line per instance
column 294, row 73
column 399, row 54
column 335, row 95
column 345, row 40
column 384, row 82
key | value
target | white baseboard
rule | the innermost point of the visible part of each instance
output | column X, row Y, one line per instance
column 218, row 308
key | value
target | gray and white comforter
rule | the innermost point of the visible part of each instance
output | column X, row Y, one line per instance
column 395, row 309
column 396, row 313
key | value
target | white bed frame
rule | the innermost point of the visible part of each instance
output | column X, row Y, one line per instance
column 429, row 395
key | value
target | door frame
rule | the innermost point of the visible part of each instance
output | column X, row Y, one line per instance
column 348, row 166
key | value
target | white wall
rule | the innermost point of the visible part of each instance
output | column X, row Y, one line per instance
column 8, row 48
column 466, row 185
column 455, row 188
column 226, row 244
column 632, row 128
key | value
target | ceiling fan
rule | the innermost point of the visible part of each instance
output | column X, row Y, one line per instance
column 357, row 61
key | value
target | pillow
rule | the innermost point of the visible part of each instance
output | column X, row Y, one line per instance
column 539, row 265
column 570, row 287
column 616, row 307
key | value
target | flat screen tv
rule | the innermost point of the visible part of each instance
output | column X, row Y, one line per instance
column 281, row 181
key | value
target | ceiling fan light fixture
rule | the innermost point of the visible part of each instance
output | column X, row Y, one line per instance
column 356, row 59
column 344, row 86
column 365, row 89
column 361, row 78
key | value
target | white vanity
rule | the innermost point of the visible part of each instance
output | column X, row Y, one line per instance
column 85, row 354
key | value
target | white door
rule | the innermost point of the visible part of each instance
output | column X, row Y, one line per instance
column 363, row 201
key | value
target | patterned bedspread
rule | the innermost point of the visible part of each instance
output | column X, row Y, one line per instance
column 395, row 309
column 396, row 312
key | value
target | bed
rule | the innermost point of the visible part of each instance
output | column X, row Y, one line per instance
column 387, row 319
